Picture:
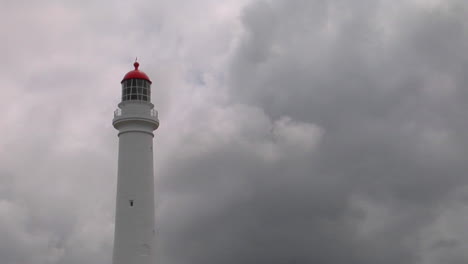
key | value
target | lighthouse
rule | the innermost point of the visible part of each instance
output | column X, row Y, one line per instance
column 135, row 119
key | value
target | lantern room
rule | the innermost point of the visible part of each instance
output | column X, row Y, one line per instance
column 136, row 86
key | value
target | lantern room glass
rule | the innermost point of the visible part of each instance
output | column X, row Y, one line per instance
column 136, row 90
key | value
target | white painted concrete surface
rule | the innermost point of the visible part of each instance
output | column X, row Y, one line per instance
column 134, row 219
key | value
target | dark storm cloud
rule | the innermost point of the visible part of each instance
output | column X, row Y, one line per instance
column 307, row 132
column 385, row 82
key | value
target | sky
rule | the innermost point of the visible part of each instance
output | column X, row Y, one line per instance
column 291, row 131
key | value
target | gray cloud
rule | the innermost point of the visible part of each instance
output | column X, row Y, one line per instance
column 385, row 88
column 291, row 131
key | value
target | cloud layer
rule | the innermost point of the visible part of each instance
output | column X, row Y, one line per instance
column 291, row 131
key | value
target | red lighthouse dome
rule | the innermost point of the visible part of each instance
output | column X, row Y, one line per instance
column 136, row 74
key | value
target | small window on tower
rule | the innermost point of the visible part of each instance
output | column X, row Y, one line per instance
column 131, row 203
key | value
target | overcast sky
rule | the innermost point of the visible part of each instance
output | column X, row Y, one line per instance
column 292, row 131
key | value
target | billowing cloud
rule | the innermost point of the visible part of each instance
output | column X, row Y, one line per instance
column 291, row 131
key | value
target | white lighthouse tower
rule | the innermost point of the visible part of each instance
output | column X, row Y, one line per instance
column 135, row 119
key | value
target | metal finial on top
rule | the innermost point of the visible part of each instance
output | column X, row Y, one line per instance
column 136, row 64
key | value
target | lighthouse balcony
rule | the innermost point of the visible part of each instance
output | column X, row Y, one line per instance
column 152, row 113
column 136, row 113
